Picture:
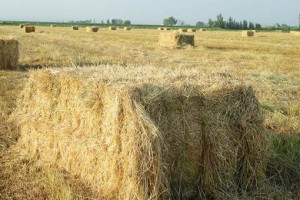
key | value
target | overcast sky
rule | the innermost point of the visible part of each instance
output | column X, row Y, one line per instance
column 266, row 12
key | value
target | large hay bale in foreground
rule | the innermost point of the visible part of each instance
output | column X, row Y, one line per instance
column 75, row 28
column 175, row 40
column 155, row 134
column 92, row 29
column 9, row 53
column 247, row 33
column 29, row 29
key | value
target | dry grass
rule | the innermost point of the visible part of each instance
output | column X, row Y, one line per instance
column 269, row 62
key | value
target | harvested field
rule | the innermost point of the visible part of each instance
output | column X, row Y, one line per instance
column 269, row 63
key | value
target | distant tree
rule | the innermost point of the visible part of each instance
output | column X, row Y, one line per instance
column 180, row 22
column 211, row 23
column 257, row 26
column 108, row 22
column 251, row 26
column 230, row 24
column 170, row 21
column 276, row 25
column 117, row 21
column 200, row 24
column 127, row 22
column 102, row 22
column 220, row 21
column 245, row 24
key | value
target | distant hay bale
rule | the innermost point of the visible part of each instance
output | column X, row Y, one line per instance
column 202, row 29
column 21, row 26
column 157, row 134
column 278, row 31
column 191, row 30
column 254, row 31
column 160, row 28
column 52, row 26
column 112, row 28
column 92, row 29
column 182, row 30
column 29, row 29
column 166, row 29
column 127, row 28
column 9, row 54
column 297, row 33
column 75, row 28
column 175, row 40
column 247, row 33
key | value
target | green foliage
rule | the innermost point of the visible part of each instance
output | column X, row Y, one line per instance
column 116, row 21
column 170, row 21
column 200, row 24
column 127, row 22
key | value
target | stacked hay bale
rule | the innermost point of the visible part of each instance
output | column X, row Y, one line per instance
column 127, row 28
column 75, row 28
column 92, row 29
column 175, row 40
column 247, row 33
column 29, row 29
column 157, row 134
column 191, row 30
column 112, row 28
column 182, row 30
column 9, row 54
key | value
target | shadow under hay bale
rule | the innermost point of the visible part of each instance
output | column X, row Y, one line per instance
column 92, row 29
column 149, row 136
column 175, row 40
column 247, row 33
column 29, row 29
column 9, row 54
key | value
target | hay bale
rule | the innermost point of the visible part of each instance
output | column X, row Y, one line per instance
column 278, row 31
column 112, row 28
column 157, row 134
column 21, row 26
column 175, row 40
column 182, row 30
column 202, row 29
column 160, row 28
column 127, row 28
column 52, row 26
column 297, row 33
column 29, row 29
column 191, row 30
column 9, row 54
column 75, row 28
column 166, row 29
column 92, row 29
column 247, row 33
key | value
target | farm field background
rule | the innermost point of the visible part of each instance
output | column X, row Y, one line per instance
column 269, row 62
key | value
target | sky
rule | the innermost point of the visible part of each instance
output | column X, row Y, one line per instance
column 266, row 12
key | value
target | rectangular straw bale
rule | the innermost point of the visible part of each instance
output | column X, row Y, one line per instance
column 9, row 54
column 75, row 28
column 92, row 29
column 182, row 30
column 21, row 26
column 175, row 40
column 52, row 26
column 156, row 134
column 166, row 29
column 202, row 29
column 160, row 28
column 127, row 28
column 112, row 28
column 29, row 29
column 247, row 33
column 191, row 30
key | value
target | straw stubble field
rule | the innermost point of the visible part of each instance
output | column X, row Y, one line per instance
column 269, row 62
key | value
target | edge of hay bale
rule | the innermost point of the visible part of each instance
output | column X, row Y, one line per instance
column 191, row 30
column 112, row 28
column 92, row 29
